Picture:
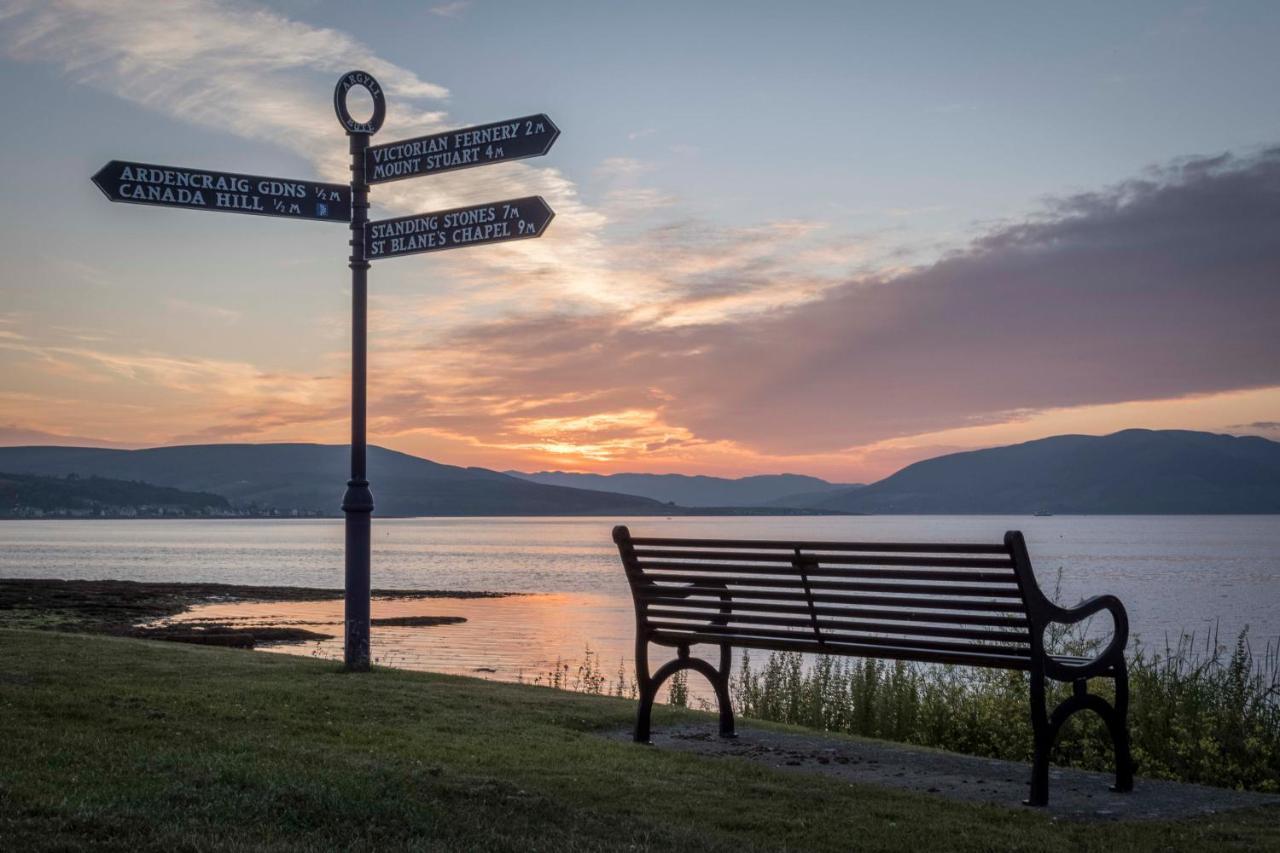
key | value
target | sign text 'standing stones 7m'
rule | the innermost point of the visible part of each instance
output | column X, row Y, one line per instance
column 494, row 222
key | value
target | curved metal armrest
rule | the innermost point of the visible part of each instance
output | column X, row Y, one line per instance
column 1108, row 656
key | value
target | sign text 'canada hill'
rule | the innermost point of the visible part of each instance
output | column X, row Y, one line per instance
column 200, row 189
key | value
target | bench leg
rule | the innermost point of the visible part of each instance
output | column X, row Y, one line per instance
column 646, row 689
column 1046, row 731
column 647, row 686
column 1118, row 723
column 1042, row 744
column 722, row 692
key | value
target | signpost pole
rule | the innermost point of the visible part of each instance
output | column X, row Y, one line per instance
column 495, row 222
column 357, row 501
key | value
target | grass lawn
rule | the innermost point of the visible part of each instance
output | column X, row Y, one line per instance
column 117, row 743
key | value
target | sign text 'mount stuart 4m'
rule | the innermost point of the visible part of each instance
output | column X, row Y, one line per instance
column 514, row 139
column 199, row 189
column 495, row 222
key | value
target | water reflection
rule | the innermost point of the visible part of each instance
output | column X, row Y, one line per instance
column 518, row 638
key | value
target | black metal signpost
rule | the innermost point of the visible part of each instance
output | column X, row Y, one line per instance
column 495, row 222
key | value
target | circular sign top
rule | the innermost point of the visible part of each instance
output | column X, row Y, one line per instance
column 359, row 78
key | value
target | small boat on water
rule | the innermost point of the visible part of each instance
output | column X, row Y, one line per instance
column 1043, row 514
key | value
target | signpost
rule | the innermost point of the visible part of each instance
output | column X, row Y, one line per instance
column 200, row 189
column 514, row 139
column 494, row 222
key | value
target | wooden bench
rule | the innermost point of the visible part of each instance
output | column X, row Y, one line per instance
column 972, row 605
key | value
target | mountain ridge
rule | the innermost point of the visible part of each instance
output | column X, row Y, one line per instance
column 1134, row 471
column 693, row 490
column 311, row 477
column 1128, row 472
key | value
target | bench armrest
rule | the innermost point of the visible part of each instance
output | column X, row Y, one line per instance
column 1107, row 657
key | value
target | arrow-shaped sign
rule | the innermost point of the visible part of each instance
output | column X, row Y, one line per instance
column 496, row 222
column 199, row 189
column 514, row 139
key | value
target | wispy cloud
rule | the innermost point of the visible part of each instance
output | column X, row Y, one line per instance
column 1256, row 426
column 238, row 68
column 1148, row 290
column 451, row 10
column 203, row 310
column 621, row 167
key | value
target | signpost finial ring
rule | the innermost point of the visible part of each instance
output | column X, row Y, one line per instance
column 365, row 79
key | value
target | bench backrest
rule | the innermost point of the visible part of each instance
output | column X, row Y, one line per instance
column 949, row 603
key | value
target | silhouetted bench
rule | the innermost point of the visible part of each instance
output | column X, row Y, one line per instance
column 973, row 605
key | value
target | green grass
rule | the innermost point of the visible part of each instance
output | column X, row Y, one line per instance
column 114, row 743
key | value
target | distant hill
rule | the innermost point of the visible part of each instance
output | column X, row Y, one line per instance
column 694, row 491
column 809, row 500
column 1135, row 471
column 311, row 478
column 30, row 495
column 1130, row 472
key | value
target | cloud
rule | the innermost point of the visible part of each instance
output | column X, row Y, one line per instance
column 621, row 167
column 451, row 10
column 637, row 200
column 12, row 435
column 254, row 73
column 761, row 345
column 202, row 310
column 237, row 68
column 201, row 396
column 1259, row 426
column 260, row 75
column 1155, row 288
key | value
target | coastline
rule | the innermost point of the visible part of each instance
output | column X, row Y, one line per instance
column 142, row 609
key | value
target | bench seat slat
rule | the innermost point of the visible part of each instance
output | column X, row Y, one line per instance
column 712, row 606
column 731, row 634
column 886, row 547
column 785, row 559
column 815, row 572
column 707, row 610
column 821, row 584
column 837, row 627
column 797, row 644
column 821, row 598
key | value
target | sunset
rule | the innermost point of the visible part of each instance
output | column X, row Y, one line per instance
column 736, row 242
column 554, row 352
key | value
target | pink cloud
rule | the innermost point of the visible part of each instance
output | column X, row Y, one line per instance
column 1152, row 289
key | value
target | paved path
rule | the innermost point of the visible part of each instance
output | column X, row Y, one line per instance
column 1076, row 794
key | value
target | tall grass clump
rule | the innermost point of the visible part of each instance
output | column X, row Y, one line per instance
column 1203, row 713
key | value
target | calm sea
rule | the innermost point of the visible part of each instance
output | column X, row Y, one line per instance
column 1174, row 573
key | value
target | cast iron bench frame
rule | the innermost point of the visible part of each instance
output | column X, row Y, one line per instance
column 951, row 603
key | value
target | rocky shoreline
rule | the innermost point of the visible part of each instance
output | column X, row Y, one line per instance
column 132, row 608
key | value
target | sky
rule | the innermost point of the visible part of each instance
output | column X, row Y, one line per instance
column 821, row 238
